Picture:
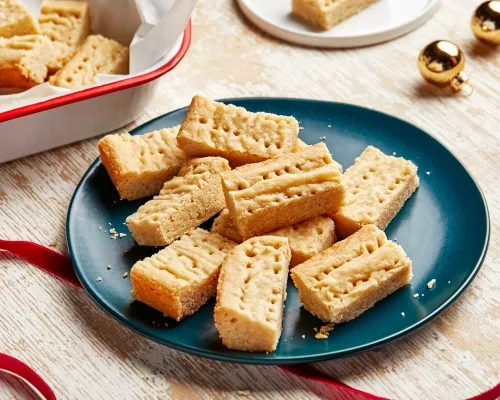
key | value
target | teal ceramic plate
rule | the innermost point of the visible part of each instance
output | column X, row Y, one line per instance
column 444, row 228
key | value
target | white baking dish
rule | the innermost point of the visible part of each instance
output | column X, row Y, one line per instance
column 69, row 116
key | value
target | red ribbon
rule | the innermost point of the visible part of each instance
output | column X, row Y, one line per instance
column 60, row 265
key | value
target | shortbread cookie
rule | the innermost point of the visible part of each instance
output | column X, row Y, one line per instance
column 97, row 55
column 181, row 278
column 67, row 24
column 140, row 165
column 251, row 293
column 377, row 186
column 65, row 21
column 184, row 203
column 216, row 129
column 306, row 238
column 327, row 13
column 282, row 191
column 16, row 20
column 23, row 60
column 345, row 280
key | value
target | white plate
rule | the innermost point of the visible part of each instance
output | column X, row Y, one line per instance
column 380, row 22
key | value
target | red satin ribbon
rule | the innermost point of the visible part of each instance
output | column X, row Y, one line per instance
column 60, row 265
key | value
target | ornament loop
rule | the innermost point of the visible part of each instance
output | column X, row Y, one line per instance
column 460, row 80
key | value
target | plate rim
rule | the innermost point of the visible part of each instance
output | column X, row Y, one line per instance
column 253, row 358
column 314, row 39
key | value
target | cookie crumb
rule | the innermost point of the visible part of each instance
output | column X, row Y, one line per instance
column 243, row 393
column 113, row 231
column 431, row 283
column 122, row 235
column 315, row 329
column 125, row 274
column 416, row 295
column 324, row 331
column 99, row 279
column 53, row 243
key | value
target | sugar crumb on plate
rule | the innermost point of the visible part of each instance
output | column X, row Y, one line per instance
column 98, row 279
column 122, row 235
column 416, row 295
column 403, row 314
column 125, row 274
column 324, row 331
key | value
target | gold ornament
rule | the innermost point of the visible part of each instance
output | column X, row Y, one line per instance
column 486, row 22
column 442, row 63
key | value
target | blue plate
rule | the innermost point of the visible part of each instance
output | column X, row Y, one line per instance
column 444, row 228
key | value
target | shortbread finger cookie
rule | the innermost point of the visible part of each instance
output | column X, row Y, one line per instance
column 140, row 165
column 67, row 24
column 181, row 278
column 23, row 60
column 326, row 14
column 16, row 20
column 377, row 186
column 65, row 21
column 216, row 129
column 282, row 191
column 306, row 238
column 184, row 203
column 251, row 293
column 97, row 55
column 345, row 280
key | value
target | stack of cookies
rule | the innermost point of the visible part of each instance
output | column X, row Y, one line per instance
column 59, row 47
column 282, row 205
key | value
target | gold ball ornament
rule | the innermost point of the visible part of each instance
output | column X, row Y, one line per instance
column 442, row 63
column 486, row 22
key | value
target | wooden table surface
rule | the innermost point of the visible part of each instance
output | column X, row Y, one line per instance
column 84, row 354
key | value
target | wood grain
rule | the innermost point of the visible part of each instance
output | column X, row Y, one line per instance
column 84, row 354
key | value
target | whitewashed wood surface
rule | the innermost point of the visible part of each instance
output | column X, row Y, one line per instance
column 84, row 354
